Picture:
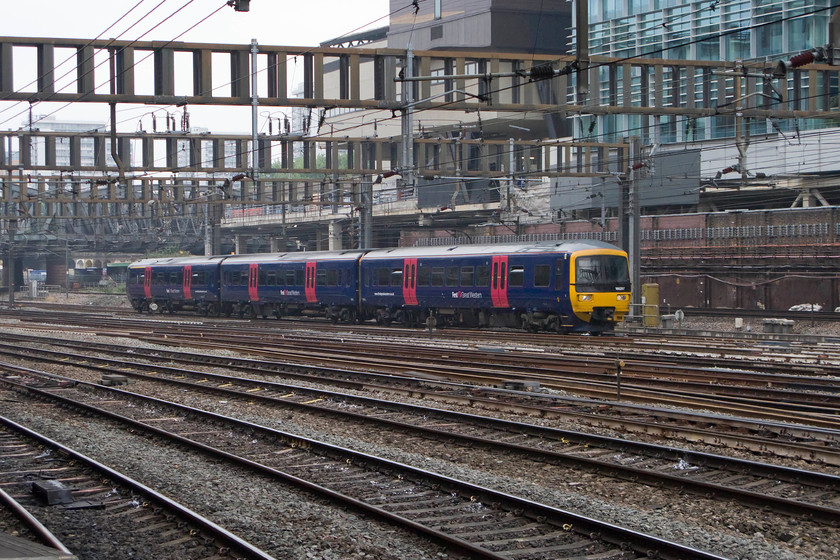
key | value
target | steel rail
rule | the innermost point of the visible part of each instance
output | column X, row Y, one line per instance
column 543, row 405
column 771, row 472
column 583, row 525
column 223, row 535
column 31, row 522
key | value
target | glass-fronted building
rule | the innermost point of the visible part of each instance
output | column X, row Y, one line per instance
column 716, row 30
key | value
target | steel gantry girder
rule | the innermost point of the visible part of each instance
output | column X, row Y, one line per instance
column 365, row 79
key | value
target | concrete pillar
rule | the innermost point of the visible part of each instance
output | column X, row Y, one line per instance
column 335, row 237
column 56, row 270
column 242, row 243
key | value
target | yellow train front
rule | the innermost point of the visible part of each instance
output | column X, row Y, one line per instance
column 599, row 287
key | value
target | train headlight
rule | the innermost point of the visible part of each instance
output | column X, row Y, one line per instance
column 584, row 297
column 622, row 297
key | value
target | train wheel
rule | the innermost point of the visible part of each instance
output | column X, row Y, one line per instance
column 247, row 311
column 153, row 307
column 212, row 310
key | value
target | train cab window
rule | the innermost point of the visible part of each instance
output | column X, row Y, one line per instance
column 542, row 276
column 482, row 276
column 396, row 277
column 452, row 276
column 467, row 276
column 299, row 273
column 437, row 276
column 517, row 276
column 424, row 275
column 321, row 277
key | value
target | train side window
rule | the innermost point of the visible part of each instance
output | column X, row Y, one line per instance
column 424, row 275
column 290, row 278
column 542, row 276
column 452, row 276
column 281, row 277
column 332, row 277
column 467, row 276
column 262, row 277
column 558, row 273
column 383, row 276
column 517, row 276
column 299, row 277
column 482, row 276
column 270, row 277
column 495, row 276
column 437, row 276
column 396, row 277
column 321, row 277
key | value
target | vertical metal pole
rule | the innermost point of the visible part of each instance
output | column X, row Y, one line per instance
column 511, row 165
column 66, row 265
column 408, row 121
column 367, row 210
column 255, row 104
column 582, row 48
column 634, row 218
column 11, row 264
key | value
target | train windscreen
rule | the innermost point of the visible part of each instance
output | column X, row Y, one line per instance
column 602, row 273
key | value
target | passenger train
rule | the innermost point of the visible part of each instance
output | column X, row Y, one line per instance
column 571, row 286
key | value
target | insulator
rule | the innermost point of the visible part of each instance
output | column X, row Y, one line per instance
column 542, row 72
column 802, row 59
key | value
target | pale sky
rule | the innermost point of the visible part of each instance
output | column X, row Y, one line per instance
column 270, row 22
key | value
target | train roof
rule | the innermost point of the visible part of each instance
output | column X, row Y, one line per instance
column 177, row 261
column 497, row 249
column 303, row 256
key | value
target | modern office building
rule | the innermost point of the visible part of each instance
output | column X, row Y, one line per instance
column 716, row 30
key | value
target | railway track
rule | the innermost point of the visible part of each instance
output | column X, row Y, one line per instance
column 815, row 495
column 62, row 490
column 474, row 520
column 821, row 445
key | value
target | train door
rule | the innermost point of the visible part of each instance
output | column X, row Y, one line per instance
column 410, row 281
column 498, row 281
column 309, row 285
column 147, row 281
column 187, row 285
column 253, row 275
